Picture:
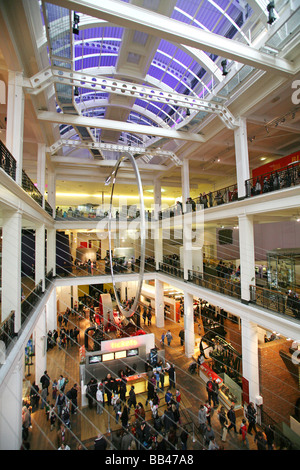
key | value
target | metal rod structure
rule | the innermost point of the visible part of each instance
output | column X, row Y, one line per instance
column 142, row 225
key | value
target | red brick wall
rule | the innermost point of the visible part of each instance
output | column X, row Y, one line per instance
column 233, row 334
column 279, row 381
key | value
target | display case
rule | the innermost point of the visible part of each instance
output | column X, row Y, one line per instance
column 282, row 268
column 230, row 393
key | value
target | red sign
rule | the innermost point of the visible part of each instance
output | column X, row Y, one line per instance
column 276, row 165
column 210, row 373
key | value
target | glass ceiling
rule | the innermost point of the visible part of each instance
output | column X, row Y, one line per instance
column 97, row 50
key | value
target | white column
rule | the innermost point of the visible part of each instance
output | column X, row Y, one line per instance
column 187, row 246
column 185, row 183
column 241, row 156
column 40, row 344
column 40, row 255
column 156, row 232
column 158, row 245
column 41, row 170
column 15, row 120
column 11, row 409
column 51, row 311
column 189, row 334
column 157, row 198
column 159, row 304
column 51, row 250
column 11, row 266
column 247, row 255
column 250, row 358
column 198, row 241
column 52, row 190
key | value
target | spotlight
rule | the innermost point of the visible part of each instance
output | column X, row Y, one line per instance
column 75, row 23
column 76, row 91
column 272, row 17
column 188, row 112
column 224, row 67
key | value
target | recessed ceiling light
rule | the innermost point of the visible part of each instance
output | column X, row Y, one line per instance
column 263, row 158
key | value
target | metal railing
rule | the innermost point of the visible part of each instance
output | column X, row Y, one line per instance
column 274, row 180
column 98, row 212
column 7, row 161
column 7, row 329
column 225, row 286
column 31, row 189
column 48, row 208
column 9, row 165
column 275, row 300
column 172, row 270
column 30, row 302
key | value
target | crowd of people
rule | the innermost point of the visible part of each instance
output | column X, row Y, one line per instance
column 227, row 419
column 162, row 430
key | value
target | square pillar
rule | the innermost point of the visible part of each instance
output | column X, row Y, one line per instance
column 157, row 198
column 250, row 358
column 158, row 246
column 41, row 170
column 40, row 346
column 189, row 333
column 247, row 256
column 241, row 157
column 11, row 266
column 15, row 120
column 185, row 183
column 159, row 304
column 11, row 408
column 51, row 250
column 40, row 255
column 52, row 190
column 51, row 311
column 187, row 253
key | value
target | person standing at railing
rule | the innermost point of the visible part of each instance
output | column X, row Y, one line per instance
column 257, row 187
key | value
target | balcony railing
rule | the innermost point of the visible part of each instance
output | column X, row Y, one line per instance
column 274, row 180
column 31, row 189
column 225, row 286
column 7, row 329
column 97, row 212
column 276, row 301
column 7, row 161
column 30, row 302
column 172, row 270
column 9, row 165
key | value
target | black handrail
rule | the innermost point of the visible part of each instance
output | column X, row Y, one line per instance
column 48, row 208
column 31, row 189
column 274, row 180
column 275, row 301
column 172, row 270
column 224, row 285
column 7, row 161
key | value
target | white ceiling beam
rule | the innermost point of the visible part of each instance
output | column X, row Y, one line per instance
column 65, row 161
column 51, row 75
column 68, row 119
column 131, row 16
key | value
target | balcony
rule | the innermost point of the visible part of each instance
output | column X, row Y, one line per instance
column 9, row 166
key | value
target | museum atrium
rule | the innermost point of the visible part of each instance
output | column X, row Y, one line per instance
column 150, row 221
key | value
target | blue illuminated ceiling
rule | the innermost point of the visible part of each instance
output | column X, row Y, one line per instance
column 98, row 50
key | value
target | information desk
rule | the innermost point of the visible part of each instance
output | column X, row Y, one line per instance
column 139, row 381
